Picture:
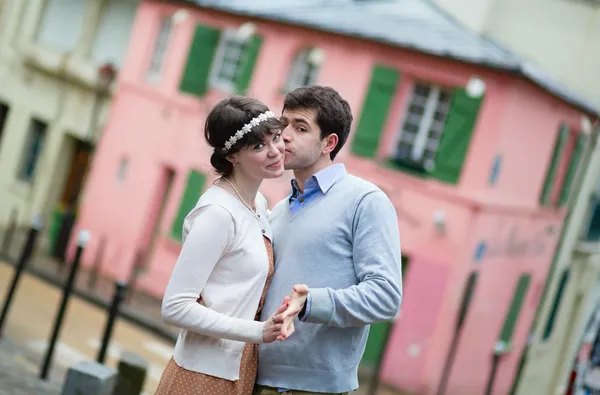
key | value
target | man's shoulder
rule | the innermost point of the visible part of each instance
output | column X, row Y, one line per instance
column 355, row 185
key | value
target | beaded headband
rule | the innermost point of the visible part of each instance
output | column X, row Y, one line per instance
column 247, row 128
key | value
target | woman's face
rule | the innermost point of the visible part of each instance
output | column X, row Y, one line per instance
column 262, row 160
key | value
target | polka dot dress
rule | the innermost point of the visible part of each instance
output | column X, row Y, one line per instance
column 176, row 380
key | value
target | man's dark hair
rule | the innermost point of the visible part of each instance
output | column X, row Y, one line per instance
column 333, row 112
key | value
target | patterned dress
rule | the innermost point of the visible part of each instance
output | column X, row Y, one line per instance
column 176, row 380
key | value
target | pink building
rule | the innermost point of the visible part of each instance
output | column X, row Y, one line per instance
column 476, row 149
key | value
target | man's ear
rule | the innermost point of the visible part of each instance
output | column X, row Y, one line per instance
column 331, row 142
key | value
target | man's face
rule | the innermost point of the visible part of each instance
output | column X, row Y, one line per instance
column 302, row 137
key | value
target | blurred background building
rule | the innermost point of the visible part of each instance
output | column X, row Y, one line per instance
column 479, row 119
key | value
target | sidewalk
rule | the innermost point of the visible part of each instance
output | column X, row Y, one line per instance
column 19, row 373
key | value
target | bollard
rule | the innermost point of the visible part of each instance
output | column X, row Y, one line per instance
column 10, row 230
column 90, row 378
column 84, row 236
column 20, row 267
column 136, row 269
column 93, row 277
column 132, row 374
column 113, row 312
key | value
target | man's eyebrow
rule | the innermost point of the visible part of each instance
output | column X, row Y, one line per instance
column 301, row 120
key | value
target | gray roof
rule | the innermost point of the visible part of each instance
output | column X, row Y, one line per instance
column 414, row 24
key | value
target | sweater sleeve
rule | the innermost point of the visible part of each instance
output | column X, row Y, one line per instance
column 209, row 238
column 377, row 263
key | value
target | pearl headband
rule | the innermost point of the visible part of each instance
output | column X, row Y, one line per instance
column 247, row 128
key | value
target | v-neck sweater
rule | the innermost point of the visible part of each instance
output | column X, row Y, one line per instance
column 345, row 245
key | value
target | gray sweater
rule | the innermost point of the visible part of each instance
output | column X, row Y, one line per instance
column 345, row 245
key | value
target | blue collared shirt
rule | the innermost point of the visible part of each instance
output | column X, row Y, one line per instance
column 317, row 185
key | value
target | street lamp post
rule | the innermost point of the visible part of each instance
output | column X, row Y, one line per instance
column 106, row 75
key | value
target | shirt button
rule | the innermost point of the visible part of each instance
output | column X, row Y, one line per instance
column 264, row 231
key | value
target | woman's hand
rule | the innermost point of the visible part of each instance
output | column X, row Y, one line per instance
column 273, row 326
column 295, row 306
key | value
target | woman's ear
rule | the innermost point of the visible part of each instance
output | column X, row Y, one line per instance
column 232, row 159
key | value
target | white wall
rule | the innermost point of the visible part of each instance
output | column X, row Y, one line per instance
column 563, row 36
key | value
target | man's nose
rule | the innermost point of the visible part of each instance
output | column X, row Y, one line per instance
column 286, row 134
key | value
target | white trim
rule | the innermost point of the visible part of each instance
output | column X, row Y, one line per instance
column 426, row 120
column 215, row 81
column 159, row 52
column 420, row 142
column 302, row 69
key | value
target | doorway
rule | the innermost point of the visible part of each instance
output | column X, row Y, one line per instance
column 379, row 334
column 153, row 226
column 72, row 170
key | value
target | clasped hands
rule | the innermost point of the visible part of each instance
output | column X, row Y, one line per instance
column 280, row 325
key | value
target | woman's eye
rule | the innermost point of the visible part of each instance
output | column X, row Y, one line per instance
column 259, row 146
column 277, row 137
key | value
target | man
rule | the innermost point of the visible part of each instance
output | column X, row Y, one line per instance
column 338, row 234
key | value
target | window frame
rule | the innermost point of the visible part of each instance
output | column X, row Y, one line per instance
column 23, row 174
column 160, row 48
column 426, row 123
column 215, row 78
column 303, row 72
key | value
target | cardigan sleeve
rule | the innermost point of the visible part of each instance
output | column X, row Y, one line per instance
column 209, row 238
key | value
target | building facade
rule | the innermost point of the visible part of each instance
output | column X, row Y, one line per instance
column 564, row 37
column 479, row 164
column 52, row 106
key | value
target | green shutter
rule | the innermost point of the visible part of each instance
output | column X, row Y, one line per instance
column 556, row 304
column 572, row 171
column 374, row 114
column 193, row 190
column 559, row 146
column 515, row 308
column 456, row 137
column 244, row 74
column 199, row 61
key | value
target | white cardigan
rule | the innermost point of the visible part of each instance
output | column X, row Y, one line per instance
column 224, row 260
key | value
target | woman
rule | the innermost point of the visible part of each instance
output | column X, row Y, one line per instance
column 216, row 291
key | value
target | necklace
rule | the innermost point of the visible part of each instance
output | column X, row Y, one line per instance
column 240, row 197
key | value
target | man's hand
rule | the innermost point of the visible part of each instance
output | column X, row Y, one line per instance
column 296, row 305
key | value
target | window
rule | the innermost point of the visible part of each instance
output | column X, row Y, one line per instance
column 304, row 70
column 219, row 59
column 122, row 171
column 591, row 231
column 3, row 116
column 161, row 44
column 32, row 150
column 61, row 24
column 423, row 126
column 228, row 62
column 114, row 29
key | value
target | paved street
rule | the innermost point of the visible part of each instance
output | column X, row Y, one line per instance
column 30, row 323
column 19, row 373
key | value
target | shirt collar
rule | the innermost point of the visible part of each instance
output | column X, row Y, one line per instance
column 324, row 178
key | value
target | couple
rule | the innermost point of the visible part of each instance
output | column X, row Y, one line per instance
column 336, row 246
